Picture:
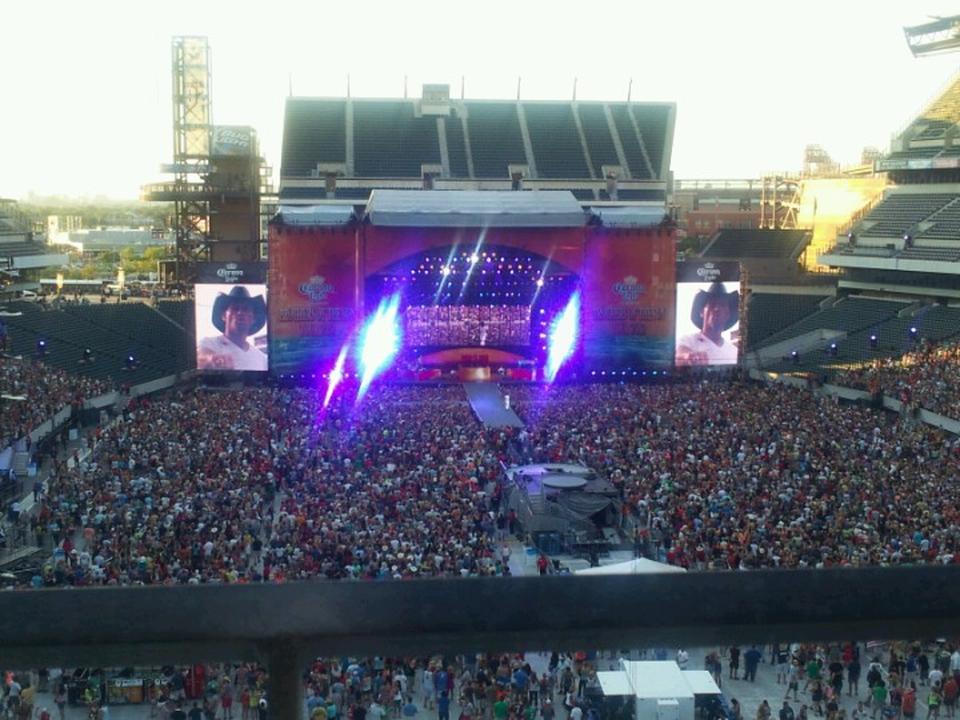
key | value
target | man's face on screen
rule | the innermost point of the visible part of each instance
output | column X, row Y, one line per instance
column 716, row 315
column 237, row 320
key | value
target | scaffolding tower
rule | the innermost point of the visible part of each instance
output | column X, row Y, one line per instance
column 219, row 178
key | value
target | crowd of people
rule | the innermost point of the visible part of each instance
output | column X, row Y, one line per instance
column 33, row 392
column 711, row 476
column 266, row 484
column 728, row 476
column 928, row 377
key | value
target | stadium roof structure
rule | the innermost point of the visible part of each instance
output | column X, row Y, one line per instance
column 341, row 148
column 475, row 208
column 931, row 140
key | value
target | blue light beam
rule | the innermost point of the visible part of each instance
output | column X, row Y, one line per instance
column 563, row 334
column 379, row 342
column 336, row 375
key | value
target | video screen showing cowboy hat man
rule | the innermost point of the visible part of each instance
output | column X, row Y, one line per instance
column 232, row 327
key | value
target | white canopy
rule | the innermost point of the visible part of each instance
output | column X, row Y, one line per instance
column 637, row 566
column 475, row 208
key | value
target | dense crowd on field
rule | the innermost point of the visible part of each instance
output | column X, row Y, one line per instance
column 266, row 484
column 205, row 486
column 928, row 378
column 33, row 392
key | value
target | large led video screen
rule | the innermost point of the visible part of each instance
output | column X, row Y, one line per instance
column 231, row 322
column 467, row 325
column 708, row 314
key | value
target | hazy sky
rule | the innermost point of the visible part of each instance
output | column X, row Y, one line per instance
column 86, row 104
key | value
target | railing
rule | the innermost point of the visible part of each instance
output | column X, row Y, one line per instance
column 285, row 625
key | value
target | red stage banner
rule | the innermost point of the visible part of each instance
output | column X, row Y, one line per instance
column 629, row 284
column 315, row 298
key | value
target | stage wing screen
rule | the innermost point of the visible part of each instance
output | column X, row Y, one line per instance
column 708, row 314
column 231, row 323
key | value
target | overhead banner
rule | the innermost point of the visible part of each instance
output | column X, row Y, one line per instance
column 708, row 314
column 628, row 296
column 313, row 295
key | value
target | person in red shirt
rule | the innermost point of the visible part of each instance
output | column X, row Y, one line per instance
column 950, row 689
column 908, row 702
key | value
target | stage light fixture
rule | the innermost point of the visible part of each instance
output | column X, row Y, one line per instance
column 874, row 341
column 834, row 349
column 539, row 282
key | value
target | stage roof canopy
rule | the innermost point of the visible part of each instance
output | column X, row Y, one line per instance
column 638, row 216
column 314, row 215
column 475, row 208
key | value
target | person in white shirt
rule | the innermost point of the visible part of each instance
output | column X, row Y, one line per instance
column 238, row 316
column 714, row 311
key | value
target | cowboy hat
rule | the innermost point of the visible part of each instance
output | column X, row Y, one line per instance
column 240, row 294
column 715, row 291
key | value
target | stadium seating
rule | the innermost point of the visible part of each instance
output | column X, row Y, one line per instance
column 112, row 332
column 390, row 141
column 652, row 121
column 181, row 312
column 847, row 315
column 938, row 322
column 769, row 313
column 628, row 139
column 557, row 149
column 898, row 213
column 314, row 132
column 756, row 243
column 456, row 148
column 946, row 224
column 495, row 138
column 593, row 120
column 930, row 253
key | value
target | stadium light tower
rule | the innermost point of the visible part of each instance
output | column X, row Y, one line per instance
column 942, row 35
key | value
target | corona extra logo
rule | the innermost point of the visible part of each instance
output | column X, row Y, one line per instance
column 231, row 272
column 708, row 271
column 630, row 289
column 317, row 289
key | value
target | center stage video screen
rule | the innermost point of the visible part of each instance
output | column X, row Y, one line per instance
column 708, row 314
column 467, row 325
column 231, row 322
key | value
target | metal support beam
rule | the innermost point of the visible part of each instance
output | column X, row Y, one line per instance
column 151, row 625
column 285, row 666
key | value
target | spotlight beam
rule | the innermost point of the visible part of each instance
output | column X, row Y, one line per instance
column 563, row 336
column 379, row 342
column 336, row 375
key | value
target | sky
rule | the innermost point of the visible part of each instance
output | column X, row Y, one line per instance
column 86, row 107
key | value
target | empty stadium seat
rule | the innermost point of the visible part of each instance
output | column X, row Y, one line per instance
column 557, row 150
column 600, row 143
column 390, row 141
column 898, row 213
column 314, row 131
column 769, row 313
column 756, row 243
column 495, row 138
